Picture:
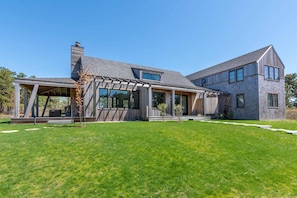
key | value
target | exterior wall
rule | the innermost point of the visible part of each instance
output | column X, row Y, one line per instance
column 210, row 104
column 254, row 87
column 271, row 86
column 92, row 109
column 248, row 87
column 275, row 87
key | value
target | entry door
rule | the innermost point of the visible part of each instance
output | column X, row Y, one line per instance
column 185, row 104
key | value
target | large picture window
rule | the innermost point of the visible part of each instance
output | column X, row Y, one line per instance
column 240, row 100
column 272, row 100
column 119, row 98
column 103, row 94
column 158, row 98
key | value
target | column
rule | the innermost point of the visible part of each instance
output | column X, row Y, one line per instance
column 173, row 102
column 17, row 100
column 150, row 95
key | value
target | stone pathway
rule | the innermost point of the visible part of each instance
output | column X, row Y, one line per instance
column 14, row 131
column 267, row 127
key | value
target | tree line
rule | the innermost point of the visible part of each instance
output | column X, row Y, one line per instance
column 7, row 91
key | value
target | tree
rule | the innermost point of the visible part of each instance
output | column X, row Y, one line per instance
column 162, row 108
column 291, row 88
column 6, row 89
column 178, row 110
column 84, row 78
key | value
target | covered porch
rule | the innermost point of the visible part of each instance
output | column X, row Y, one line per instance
column 32, row 89
column 197, row 104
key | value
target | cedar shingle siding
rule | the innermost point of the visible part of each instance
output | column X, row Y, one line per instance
column 254, row 87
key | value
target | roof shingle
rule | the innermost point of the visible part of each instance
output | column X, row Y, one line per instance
column 114, row 69
column 230, row 64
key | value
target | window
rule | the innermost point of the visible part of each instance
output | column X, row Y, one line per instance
column 158, row 97
column 103, row 94
column 150, row 76
column 177, row 99
column 135, row 102
column 119, row 98
column 266, row 72
column 239, row 74
column 231, row 76
column 276, row 73
column 236, row 75
column 240, row 100
column 272, row 100
column 271, row 73
column 203, row 82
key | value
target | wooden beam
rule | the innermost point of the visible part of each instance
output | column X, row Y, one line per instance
column 45, row 105
column 32, row 97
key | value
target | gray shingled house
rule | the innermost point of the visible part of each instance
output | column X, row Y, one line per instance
column 118, row 91
column 253, row 85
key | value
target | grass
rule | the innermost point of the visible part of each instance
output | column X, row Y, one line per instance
column 147, row 159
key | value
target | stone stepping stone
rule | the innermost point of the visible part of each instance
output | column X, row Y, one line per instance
column 10, row 131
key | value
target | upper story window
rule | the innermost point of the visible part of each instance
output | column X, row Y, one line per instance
column 150, row 76
column 203, row 82
column 236, row 75
column 271, row 73
column 231, row 76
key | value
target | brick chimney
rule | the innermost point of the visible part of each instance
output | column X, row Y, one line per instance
column 76, row 52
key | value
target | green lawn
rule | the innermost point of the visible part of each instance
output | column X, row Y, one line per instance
column 147, row 159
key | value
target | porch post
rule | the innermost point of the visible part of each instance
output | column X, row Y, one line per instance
column 149, row 100
column 37, row 106
column 94, row 98
column 45, row 105
column 30, row 105
column 25, row 99
column 173, row 103
column 130, row 105
column 17, row 100
column 205, row 103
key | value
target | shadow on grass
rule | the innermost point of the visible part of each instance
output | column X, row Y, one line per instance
column 65, row 126
column 5, row 122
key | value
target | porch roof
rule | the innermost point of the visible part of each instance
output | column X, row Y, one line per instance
column 48, row 86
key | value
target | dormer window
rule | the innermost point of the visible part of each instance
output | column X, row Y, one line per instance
column 150, row 76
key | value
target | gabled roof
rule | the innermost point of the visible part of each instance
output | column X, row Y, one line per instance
column 230, row 64
column 114, row 69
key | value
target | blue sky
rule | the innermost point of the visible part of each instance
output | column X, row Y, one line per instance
column 180, row 35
